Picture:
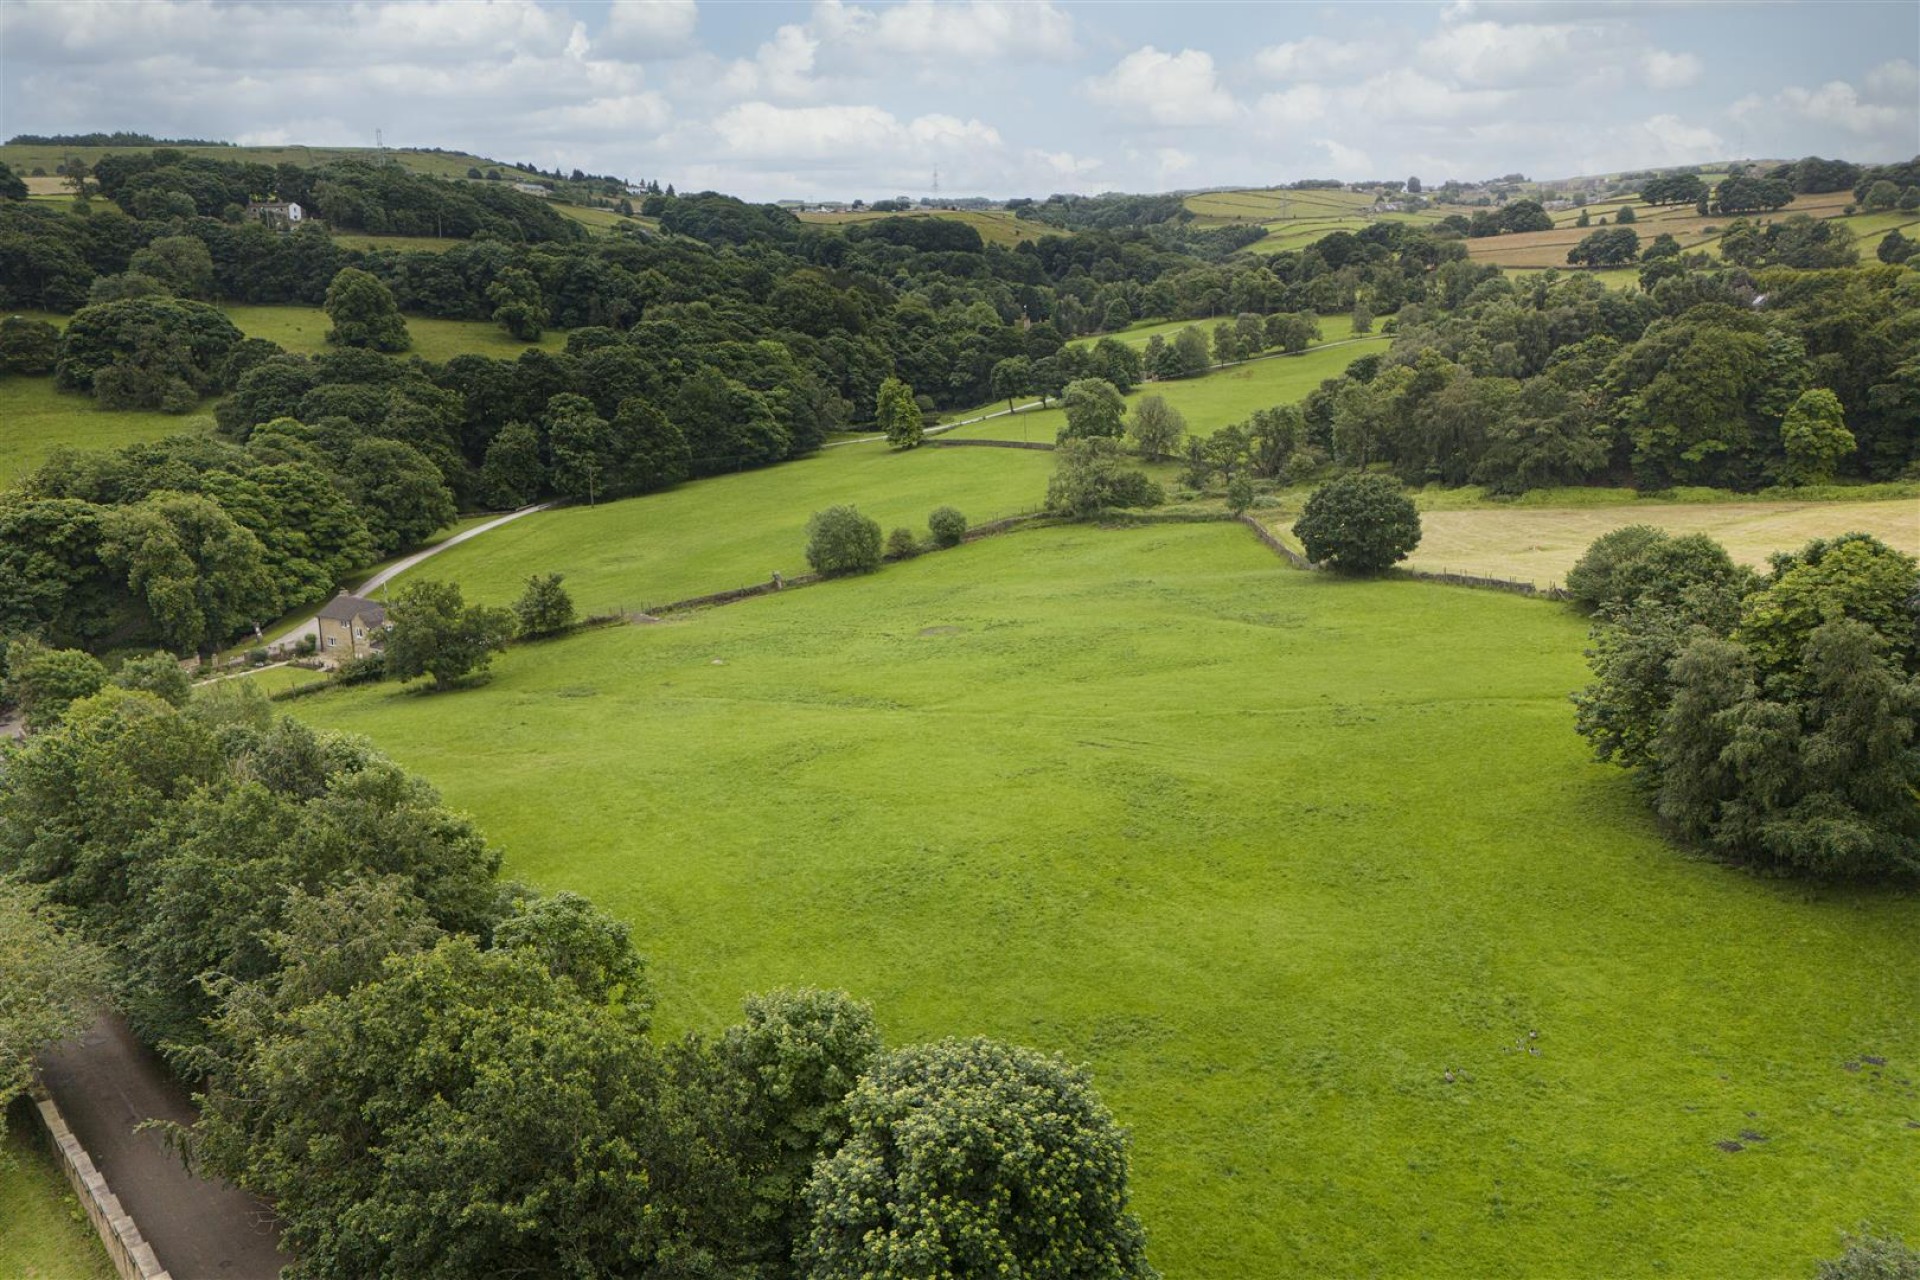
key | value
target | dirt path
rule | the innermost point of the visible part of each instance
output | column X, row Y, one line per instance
column 106, row 1083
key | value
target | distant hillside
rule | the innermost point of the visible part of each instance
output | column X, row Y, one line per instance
column 591, row 200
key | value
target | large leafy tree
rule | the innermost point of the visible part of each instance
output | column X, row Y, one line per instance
column 896, row 414
column 1094, row 408
column 364, row 313
column 1358, row 524
column 202, row 577
column 972, row 1158
column 1094, row 475
column 434, row 632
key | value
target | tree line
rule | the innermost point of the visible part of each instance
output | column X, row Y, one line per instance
column 431, row 1073
column 1770, row 717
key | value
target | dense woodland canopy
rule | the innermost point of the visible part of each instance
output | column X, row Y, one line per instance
column 738, row 337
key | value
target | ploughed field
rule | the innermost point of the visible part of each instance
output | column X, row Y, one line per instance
column 1385, row 976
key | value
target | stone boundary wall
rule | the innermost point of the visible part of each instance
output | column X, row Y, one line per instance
column 948, row 442
column 132, row 1256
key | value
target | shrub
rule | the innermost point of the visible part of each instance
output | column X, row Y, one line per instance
column 368, row 670
column 1091, row 476
column 841, row 541
column 545, row 608
column 1358, row 524
column 159, row 674
column 1872, row 1257
column 902, row 545
column 947, row 526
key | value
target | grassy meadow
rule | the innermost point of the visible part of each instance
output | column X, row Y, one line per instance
column 36, row 418
column 1211, row 401
column 996, row 226
column 733, row 531
column 304, row 329
column 1386, row 977
column 43, row 1233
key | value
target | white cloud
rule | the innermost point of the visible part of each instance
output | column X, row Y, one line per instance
column 1838, row 103
column 761, row 130
column 1290, row 108
column 1173, row 161
column 1896, row 81
column 975, row 31
column 1348, row 162
column 1663, row 70
column 1164, row 88
column 782, row 67
column 1407, row 95
column 1494, row 53
column 1315, row 57
column 1061, row 163
column 1667, row 139
column 643, row 29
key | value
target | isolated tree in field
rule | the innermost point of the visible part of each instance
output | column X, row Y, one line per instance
column 1094, row 408
column 518, row 305
column 975, row 1159
column 1584, row 221
column 55, row 983
column 1091, row 476
column 434, row 632
column 1156, row 428
column 947, row 525
column 545, row 608
column 841, row 541
column 364, row 314
column 897, row 414
column 1895, row 249
column 1012, row 378
column 1626, row 215
column 1815, row 437
column 1358, row 524
column 1882, row 195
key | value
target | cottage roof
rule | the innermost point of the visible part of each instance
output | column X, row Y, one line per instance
column 345, row 608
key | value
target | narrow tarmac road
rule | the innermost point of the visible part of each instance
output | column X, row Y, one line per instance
column 106, row 1083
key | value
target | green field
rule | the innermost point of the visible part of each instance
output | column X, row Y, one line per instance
column 43, row 1234
column 1332, row 329
column 1220, row 398
column 304, row 329
column 36, row 418
column 1273, row 853
column 732, row 531
column 440, row 164
column 996, row 226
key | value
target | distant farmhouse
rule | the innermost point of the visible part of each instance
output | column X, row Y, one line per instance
column 530, row 188
column 351, row 627
column 284, row 214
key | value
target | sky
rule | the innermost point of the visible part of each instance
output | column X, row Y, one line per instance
column 838, row 99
